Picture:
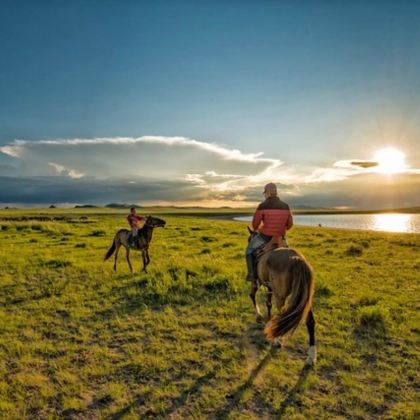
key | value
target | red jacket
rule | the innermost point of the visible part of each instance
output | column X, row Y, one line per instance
column 272, row 217
column 134, row 220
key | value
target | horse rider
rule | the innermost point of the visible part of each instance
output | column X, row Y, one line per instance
column 134, row 221
column 271, row 220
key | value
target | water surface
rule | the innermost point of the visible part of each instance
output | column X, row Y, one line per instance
column 387, row 222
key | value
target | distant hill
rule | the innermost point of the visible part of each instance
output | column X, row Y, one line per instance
column 121, row 206
column 85, row 206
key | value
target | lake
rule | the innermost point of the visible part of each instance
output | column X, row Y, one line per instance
column 387, row 222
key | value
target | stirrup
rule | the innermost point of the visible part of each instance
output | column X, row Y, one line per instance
column 250, row 277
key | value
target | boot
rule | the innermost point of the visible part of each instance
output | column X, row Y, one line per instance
column 250, row 266
column 131, row 241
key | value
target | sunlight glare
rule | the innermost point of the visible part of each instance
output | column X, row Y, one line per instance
column 392, row 222
column 390, row 161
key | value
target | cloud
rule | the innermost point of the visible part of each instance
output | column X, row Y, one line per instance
column 170, row 170
column 364, row 164
column 50, row 189
column 62, row 170
column 125, row 156
column 365, row 190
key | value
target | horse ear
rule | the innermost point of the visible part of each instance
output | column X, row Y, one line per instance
column 249, row 230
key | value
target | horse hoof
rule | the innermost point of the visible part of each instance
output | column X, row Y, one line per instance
column 311, row 359
column 277, row 343
column 259, row 319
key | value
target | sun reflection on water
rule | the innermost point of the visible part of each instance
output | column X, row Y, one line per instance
column 392, row 222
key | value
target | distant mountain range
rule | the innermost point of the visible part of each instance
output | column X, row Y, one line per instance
column 300, row 208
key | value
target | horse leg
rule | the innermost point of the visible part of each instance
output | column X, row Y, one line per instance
column 252, row 295
column 147, row 258
column 143, row 254
column 310, row 324
column 268, row 302
column 127, row 255
column 118, row 245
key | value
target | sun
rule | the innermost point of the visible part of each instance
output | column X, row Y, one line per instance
column 390, row 161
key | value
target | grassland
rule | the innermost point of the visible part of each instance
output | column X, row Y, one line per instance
column 80, row 341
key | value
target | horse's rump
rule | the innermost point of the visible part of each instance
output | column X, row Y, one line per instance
column 290, row 265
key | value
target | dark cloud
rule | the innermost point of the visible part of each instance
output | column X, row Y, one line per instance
column 365, row 191
column 44, row 190
column 364, row 163
column 361, row 191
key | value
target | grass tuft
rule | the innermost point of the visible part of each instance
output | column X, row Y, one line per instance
column 97, row 233
column 354, row 251
column 372, row 322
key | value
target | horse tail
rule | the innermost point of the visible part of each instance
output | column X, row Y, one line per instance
column 300, row 301
column 110, row 250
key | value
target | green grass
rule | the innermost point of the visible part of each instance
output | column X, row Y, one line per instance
column 80, row 341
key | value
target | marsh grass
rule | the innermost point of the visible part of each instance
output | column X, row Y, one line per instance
column 80, row 341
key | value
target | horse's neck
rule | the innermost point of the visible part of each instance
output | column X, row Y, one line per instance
column 148, row 233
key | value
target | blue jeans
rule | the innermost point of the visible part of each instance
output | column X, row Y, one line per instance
column 258, row 240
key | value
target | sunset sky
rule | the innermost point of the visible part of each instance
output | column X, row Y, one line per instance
column 201, row 103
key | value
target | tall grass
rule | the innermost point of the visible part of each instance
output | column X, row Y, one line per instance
column 80, row 341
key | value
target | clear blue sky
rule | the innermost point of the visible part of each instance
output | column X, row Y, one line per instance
column 303, row 82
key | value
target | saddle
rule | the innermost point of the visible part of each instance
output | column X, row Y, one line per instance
column 263, row 249
column 137, row 242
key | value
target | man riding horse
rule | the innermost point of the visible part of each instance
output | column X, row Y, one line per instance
column 134, row 221
column 271, row 219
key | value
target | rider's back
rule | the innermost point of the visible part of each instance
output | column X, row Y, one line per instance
column 275, row 215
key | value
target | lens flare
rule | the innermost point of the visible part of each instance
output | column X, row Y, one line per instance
column 390, row 161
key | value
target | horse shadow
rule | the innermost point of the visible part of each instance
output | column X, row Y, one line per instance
column 177, row 403
column 234, row 398
column 291, row 395
column 256, row 339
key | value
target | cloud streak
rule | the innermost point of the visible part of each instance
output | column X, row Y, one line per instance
column 160, row 169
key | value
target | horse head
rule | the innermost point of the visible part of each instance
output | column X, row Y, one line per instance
column 154, row 222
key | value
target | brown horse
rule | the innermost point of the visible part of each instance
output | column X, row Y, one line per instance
column 144, row 238
column 286, row 274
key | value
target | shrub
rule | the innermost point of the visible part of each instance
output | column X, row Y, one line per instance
column 223, row 285
column 97, row 233
column 354, row 251
column 57, row 264
column 322, row 290
column 227, row 245
column 174, row 272
column 207, row 239
column 368, row 301
column 372, row 322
